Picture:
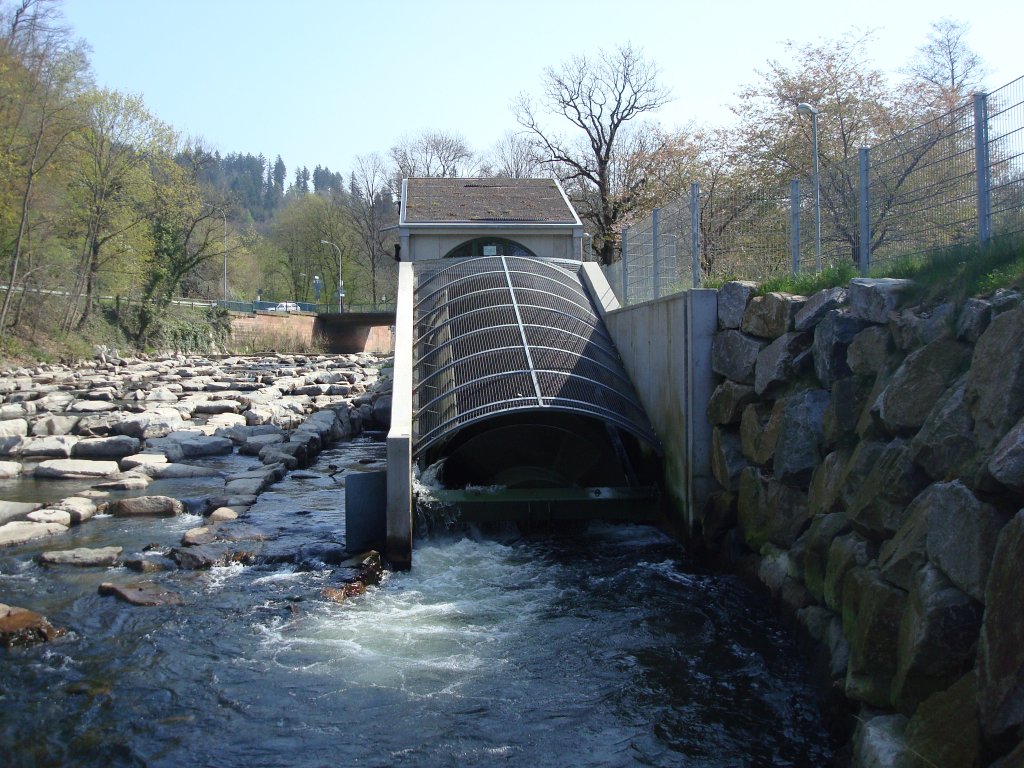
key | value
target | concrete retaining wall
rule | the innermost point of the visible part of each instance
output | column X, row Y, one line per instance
column 665, row 346
column 341, row 334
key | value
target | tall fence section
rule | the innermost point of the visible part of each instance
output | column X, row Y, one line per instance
column 956, row 179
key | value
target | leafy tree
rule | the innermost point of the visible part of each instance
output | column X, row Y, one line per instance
column 109, row 182
column 599, row 97
column 945, row 68
column 41, row 75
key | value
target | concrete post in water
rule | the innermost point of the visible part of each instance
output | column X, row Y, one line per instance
column 982, row 168
column 794, row 223
column 399, row 441
column 864, row 206
column 695, row 232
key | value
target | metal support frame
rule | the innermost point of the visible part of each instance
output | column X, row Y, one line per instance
column 864, row 207
column 794, row 224
column 625, row 265
column 656, row 250
column 981, row 161
column 695, row 232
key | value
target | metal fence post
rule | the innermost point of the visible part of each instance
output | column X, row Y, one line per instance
column 794, row 224
column 864, row 211
column 982, row 168
column 625, row 266
column 656, row 250
column 695, row 232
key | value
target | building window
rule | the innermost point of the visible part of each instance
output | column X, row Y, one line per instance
column 489, row 246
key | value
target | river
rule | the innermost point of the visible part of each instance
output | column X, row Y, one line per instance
column 604, row 647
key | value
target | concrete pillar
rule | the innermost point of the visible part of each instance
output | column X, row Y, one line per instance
column 399, row 441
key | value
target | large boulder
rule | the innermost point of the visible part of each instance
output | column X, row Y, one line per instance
column 817, row 306
column 878, row 743
column 873, row 299
column 21, row 627
column 53, row 446
column 832, row 337
column 846, row 553
column 995, row 384
column 13, row 428
column 817, row 543
column 725, row 405
column 771, row 315
column 919, row 382
column 962, row 536
column 781, row 361
column 872, row 613
column 150, row 506
column 946, row 439
column 879, row 505
column 734, row 355
column 115, row 447
column 1007, row 462
column 801, row 438
column 944, row 730
column 869, row 350
column 726, row 458
column 1000, row 650
column 733, row 298
column 938, row 638
column 770, row 512
column 759, row 430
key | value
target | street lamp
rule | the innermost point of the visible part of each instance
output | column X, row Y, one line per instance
column 806, row 109
column 341, row 279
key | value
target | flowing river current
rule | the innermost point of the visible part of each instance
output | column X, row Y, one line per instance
column 603, row 647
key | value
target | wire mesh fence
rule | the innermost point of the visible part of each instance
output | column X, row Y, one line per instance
column 957, row 179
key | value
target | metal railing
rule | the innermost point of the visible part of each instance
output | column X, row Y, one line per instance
column 954, row 180
column 302, row 306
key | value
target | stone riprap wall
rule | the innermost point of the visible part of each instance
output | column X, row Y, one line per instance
column 871, row 464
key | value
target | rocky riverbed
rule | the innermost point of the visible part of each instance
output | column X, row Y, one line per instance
column 89, row 439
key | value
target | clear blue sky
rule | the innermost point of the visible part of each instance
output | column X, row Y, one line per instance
column 321, row 81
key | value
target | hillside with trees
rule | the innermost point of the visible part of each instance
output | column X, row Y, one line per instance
column 103, row 204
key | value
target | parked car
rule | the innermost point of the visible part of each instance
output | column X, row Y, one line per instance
column 285, row 306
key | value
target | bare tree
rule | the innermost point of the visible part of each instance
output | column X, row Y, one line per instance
column 946, row 67
column 598, row 96
column 431, row 153
column 373, row 210
column 514, row 156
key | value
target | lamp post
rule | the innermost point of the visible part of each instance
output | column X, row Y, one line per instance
column 224, row 213
column 341, row 278
column 806, row 109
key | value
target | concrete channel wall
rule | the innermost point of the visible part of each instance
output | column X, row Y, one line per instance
column 665, row 346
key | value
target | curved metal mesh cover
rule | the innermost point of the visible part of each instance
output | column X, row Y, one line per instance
column 505, row 333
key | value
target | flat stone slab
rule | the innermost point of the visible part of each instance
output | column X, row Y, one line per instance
column 151, row 506
column 21, row 531
column 142, row 460
column 76, row 468
column 50, row 516
column 129, row 482
column 145, row 593
column 162, row 471
column 82, row 557
column 92, row 406
column 9, row 469
column 16, row 510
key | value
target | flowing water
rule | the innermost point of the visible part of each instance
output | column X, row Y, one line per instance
column 604, row 647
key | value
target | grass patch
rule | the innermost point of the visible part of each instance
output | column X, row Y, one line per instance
column 807, row 283
column 956, row 273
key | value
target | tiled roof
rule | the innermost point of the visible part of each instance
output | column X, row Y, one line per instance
column 533, row 201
